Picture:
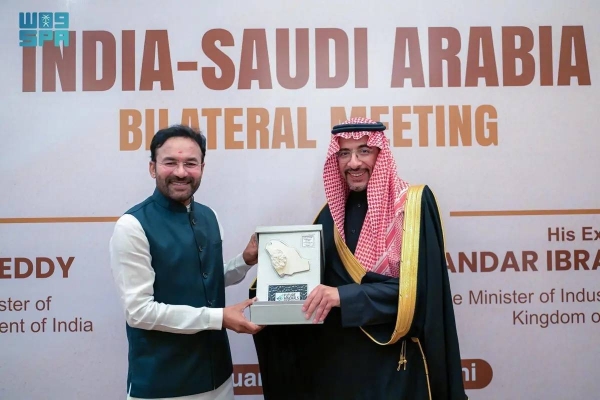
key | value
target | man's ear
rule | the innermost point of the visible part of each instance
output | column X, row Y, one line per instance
column 152, row 169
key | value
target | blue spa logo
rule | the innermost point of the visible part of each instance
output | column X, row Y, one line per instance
column 36, row 28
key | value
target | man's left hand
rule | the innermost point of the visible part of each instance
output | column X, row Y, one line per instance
column 250, row 254
column 320, row 301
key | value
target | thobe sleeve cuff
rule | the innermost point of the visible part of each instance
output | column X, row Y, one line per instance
column 350, row 304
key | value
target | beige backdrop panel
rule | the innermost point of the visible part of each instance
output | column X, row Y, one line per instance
column 490, row 103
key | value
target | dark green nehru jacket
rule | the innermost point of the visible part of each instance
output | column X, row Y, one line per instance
column 187, row 258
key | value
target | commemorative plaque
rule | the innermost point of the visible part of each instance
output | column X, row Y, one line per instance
column 290, row 260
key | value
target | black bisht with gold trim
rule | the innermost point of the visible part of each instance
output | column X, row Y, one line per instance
column 402, row 343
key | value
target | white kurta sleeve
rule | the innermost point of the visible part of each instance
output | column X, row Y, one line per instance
column 133, row 274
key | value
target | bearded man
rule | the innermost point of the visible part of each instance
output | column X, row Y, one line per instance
column 167, row 262
column 386, row 327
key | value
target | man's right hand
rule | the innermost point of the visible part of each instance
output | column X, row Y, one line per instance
column 234, row 319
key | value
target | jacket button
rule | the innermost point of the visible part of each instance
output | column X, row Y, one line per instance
column 200, row 248
column 205, row 275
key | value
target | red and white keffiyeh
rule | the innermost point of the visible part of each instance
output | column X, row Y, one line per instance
column 380, row 241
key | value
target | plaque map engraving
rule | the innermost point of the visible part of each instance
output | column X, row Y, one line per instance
column 285, row 259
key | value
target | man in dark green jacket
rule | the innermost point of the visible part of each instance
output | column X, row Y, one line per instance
column 167, row 263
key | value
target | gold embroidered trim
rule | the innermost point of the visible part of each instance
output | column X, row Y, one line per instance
column 352, row 265
column 409, row 264
column 403, row 360
column 416, row 340
column 409, row 260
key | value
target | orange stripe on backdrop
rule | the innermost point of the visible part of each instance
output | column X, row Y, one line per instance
column 497, row 213
column 56, row 220
column 509, row 213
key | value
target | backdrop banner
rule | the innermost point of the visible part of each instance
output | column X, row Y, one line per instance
column 491, row 104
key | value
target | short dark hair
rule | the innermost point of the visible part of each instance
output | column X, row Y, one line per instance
column 177, row 131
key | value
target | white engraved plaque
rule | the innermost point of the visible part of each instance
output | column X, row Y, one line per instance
column 289, row 268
